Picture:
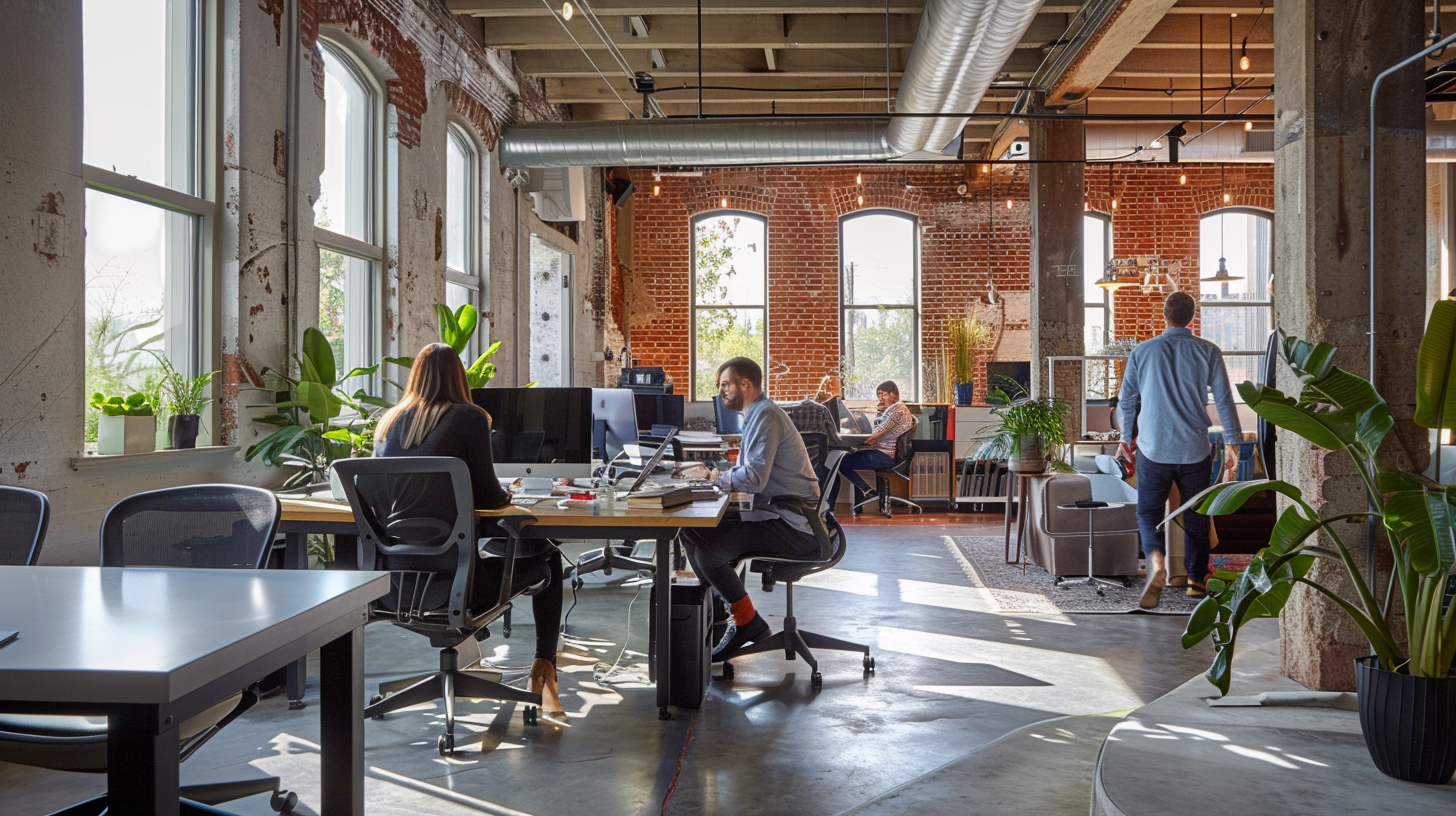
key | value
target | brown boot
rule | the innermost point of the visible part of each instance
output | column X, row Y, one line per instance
column 543, row 682
column 1153, row 586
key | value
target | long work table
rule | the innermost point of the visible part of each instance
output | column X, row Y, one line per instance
column 544, row 520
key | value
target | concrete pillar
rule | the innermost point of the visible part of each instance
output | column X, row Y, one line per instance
column 1326, row 57
column 1057, row 315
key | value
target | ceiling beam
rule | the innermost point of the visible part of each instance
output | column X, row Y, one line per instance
column 815, row 31
column 1108, row 46
column 605, row 8
column 738, row 62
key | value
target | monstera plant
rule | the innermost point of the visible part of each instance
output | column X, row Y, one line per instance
column 1339, row 411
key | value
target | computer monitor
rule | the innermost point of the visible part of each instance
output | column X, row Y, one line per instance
column 659, row 409
column 539, row 431
column 615, row 414
column 1020, row 372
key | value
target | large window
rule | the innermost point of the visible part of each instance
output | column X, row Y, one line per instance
column 466, row 229
column 1236, row 314
column 147, row 210
column 346, row 215
column 879, row 285
column 730, row 294
column 1096, row 252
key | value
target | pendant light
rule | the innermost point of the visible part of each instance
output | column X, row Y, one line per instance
column 1222, row 275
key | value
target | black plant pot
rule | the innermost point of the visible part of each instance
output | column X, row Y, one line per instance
column 182, row 430
column 1409, row 722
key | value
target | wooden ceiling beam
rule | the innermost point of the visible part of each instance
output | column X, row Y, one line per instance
column 809, row 32
column 1108, row 46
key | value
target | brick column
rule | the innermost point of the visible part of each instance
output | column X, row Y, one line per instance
column 1057, row 315
column 1326, row 56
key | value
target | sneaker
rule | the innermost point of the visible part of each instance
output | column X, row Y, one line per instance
column 740, row 636
column 1196, row 589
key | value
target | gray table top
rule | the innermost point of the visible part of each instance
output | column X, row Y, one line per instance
column 137, row 635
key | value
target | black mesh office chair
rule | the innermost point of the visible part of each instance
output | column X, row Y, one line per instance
column 904, row 452
column 727, row 422
column 832, row 544
column 216, row 526
column 24, row 516
column 416, row 517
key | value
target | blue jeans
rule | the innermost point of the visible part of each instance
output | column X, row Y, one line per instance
column 859, row 460
column 1153, row 482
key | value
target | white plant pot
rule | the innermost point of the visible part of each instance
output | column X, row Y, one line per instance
column 126, row 434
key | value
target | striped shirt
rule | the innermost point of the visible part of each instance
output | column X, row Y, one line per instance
column 892, row 422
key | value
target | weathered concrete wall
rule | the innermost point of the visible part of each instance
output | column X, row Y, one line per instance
column 432, row 73
column 1057, row 313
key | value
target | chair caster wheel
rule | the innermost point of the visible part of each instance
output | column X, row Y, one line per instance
column 1101, row 594
column 446, row 744
column 727, row 671
column 283, row 801
column 378, row 698
column 816, row 681
column 869, row 665
column 531, row 716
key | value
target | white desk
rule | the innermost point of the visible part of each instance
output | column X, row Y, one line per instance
column 149, row 648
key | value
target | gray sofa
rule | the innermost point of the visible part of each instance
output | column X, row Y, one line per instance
column 1058, row 538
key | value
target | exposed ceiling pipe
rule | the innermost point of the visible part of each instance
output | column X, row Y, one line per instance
column 961, row 46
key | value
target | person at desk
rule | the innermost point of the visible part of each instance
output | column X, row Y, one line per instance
column 774, row 467
column 437, row 418
column 892, row 420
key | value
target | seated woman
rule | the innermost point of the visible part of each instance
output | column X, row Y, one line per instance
column 892, row 420
column 437, row 418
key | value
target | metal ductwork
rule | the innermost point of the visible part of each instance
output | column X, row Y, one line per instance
column 959, row 49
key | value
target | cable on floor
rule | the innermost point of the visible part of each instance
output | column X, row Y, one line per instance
column 606, row 676
column 678, row 771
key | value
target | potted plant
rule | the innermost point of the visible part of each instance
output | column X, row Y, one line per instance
column 967, row 336
column 183, row 399
column 456, row 329
column 1030, row 432
column 1407, row 697
column 126, row 424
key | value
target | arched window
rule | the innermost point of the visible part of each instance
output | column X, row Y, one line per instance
column 729, row 294
column 465, row 200
column 879, row 262
column 1236, row 307
column 347, row 214
column 1096, row 252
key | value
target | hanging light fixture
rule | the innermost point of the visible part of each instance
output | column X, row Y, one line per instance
column 567, row 11
column 1222, row 275
column 861, row 201
column 724, row 202
column 859, row 178
column 1008, row 204
column 1156, row 143
column 985, row 168
column 1248, row 126
column 1182, row 178
column 1110, row 194
column 657, row 189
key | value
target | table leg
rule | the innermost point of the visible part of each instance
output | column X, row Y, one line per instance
column 341, row 724
column 662, row 581
column 295, row 556
column 141, row 762
column 1091, row 515
column 1010, row 492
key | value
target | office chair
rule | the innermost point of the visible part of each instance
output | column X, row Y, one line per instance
column 215, row 526
column 417, row 515
column 832, row 543
column 901, row 467
column 24, row 516
column 728, row 422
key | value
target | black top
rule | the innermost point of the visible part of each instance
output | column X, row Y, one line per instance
column 464, row 433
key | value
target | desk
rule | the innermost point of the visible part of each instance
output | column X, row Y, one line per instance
column 547, row 520
column 148, row 648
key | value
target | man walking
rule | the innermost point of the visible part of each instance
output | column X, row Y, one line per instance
column 1163, row 411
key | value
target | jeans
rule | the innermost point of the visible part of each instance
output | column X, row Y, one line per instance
column 859, row 460
column 715, row 552
column 1154, row 481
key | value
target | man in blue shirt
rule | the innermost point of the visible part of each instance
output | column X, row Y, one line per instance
column 1163, row 403
column 774, row 467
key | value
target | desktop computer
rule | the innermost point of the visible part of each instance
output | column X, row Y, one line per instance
column 614, row 421
column 659, row 409
column 539, row 432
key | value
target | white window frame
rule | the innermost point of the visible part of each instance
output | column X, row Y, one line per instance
column 471, row 278
column 694, row 306
column 911, row 394
column 1205, row 305
column 362, row 335
column 189, row 346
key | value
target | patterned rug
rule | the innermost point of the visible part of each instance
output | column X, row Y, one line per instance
column 983, row 560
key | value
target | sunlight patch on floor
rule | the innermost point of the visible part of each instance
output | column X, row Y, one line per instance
column 843, row 580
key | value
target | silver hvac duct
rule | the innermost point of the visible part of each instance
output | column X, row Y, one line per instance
column 959, row 49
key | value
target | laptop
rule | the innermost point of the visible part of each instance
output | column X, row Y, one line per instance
column 651, row 463
column 860, row 424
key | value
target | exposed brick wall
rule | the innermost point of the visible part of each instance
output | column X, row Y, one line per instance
column 964, row 246
column 373, row 22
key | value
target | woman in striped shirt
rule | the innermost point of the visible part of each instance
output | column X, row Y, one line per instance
column 891, row 422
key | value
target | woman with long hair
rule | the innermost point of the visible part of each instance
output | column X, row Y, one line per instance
column 436, row 417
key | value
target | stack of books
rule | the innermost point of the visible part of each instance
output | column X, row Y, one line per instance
column 667, row 497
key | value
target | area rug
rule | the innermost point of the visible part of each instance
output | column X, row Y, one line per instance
column 983, row 560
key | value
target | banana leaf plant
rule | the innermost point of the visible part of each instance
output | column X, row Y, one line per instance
column 1340, row 411
column 456, row 329
column 307, row 409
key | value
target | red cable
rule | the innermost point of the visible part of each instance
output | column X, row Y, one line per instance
column 673, row 786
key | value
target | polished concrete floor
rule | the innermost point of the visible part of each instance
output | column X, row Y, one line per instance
column 952, row 677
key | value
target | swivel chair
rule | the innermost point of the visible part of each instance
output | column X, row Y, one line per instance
column 832, row 544
column 620, row 555
column 24, row 516
column 416, row 517
column 728, row 422
column 900, row 468
column 213, row 526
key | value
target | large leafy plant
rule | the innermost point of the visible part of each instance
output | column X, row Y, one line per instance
column 307, row 407
column 456, row 329
column 1339, row 411
column 1021, row 416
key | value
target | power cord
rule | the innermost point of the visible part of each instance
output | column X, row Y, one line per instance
column 672, row 786
column 605, row 677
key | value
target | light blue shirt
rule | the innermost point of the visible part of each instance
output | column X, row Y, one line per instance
column 772, row 462
column 1163, row 400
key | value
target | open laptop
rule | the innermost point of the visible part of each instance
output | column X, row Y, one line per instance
column 651, row 463
column 859, row 423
